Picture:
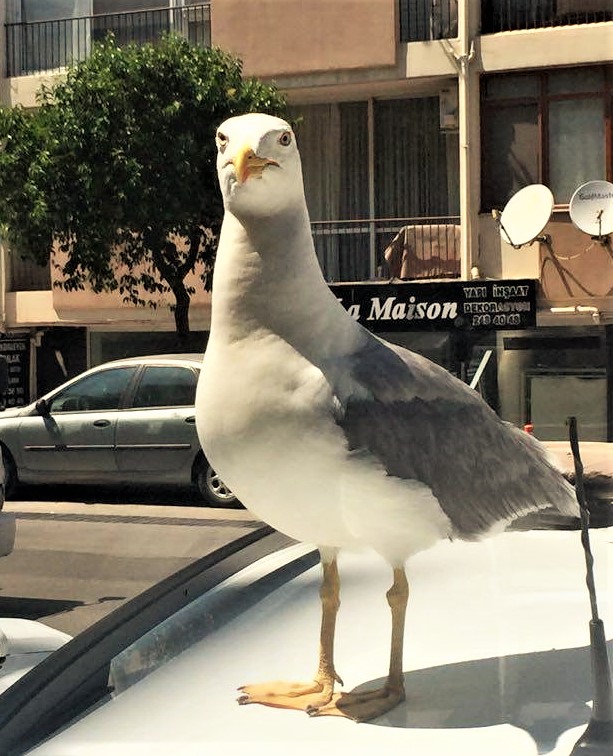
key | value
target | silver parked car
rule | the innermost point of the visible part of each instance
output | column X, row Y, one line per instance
column 128, row 421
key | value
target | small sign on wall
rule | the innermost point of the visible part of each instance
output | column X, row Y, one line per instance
column 16, row 351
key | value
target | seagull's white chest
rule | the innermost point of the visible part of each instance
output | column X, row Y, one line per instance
column 265, row 418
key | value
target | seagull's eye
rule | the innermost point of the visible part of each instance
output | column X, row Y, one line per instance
column 222, row 141
column 286, row 138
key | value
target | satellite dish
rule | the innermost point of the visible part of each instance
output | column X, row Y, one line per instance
column 591, row 208
column 525, row 215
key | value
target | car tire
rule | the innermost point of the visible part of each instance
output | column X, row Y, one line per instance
column 10, row 473
column 211, row 488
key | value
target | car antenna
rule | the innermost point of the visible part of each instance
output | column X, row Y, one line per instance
column 597, row 740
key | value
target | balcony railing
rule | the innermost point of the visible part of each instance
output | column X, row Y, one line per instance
column 422, row 20
column 408, row 248
column 512, row 15
column 348, row 250
column 47, row 46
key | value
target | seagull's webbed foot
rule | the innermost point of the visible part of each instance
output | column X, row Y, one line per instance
column 361, row 706
column 319, row 692
column 288, row 695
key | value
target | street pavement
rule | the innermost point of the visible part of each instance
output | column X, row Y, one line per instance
column 74, row 562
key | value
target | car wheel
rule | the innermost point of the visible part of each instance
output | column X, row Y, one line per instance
column 10, row 473
column 211, row 487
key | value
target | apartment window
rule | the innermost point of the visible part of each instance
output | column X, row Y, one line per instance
column 550, row 127
column 510, row 151
column 333, row 140
column 47, row 10
column 368, row 166
column 45, row 35
column 422, row 20
column 118, row 6
column 576, row 145
column 410, row 165
column 410, row 159
column 509, row 15
column 130, row 20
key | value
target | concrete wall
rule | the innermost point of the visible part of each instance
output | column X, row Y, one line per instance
column 573, row 269
column 537, row 48
column 280, row 37
column 22, row 90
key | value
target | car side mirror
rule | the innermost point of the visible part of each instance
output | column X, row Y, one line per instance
column 42, row 407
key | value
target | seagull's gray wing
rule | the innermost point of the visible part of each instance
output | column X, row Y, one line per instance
column 423, row 424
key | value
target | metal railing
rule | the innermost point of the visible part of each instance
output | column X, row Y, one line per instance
column 513, row 15
column 47, row 46
column 382, row 248
column 422, row 20
column 348, row 250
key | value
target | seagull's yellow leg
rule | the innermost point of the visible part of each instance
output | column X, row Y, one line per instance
column 295, row 695
column 363, row 706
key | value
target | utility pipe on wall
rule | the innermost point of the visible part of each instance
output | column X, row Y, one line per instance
column 468, row 86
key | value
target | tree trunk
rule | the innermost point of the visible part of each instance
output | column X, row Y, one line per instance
column 182, row 299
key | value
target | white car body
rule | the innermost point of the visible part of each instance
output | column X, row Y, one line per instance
column 24, row 644
column 497, row 659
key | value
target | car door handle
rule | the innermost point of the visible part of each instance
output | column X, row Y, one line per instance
column 191, row 419
column 102, row 423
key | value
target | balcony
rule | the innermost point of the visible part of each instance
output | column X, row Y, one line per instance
column 348, row 250
column 423, row 20
column 407, row 248
column 513, row 15
column 50, row 46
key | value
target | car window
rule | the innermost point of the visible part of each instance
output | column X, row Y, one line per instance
column 100, row 391
column 166, row 386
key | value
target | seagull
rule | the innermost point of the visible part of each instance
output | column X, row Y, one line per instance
column 327, row 432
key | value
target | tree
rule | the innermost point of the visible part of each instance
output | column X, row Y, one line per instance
column 116, row 167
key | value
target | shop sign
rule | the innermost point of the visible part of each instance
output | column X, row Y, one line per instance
column 16, row 351
column 449, row 305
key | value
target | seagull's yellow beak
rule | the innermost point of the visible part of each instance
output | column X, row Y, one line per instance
column 247, row 164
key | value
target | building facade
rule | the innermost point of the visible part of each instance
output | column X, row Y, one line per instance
column 417, row 121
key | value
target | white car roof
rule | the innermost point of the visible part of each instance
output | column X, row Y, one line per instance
column 497, row 658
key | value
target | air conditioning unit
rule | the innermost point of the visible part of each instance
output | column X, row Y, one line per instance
column 448, row 109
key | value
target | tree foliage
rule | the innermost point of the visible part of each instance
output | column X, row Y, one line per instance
column 117, row 167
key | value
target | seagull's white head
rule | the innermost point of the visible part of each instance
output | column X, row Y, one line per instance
column 258, row 165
